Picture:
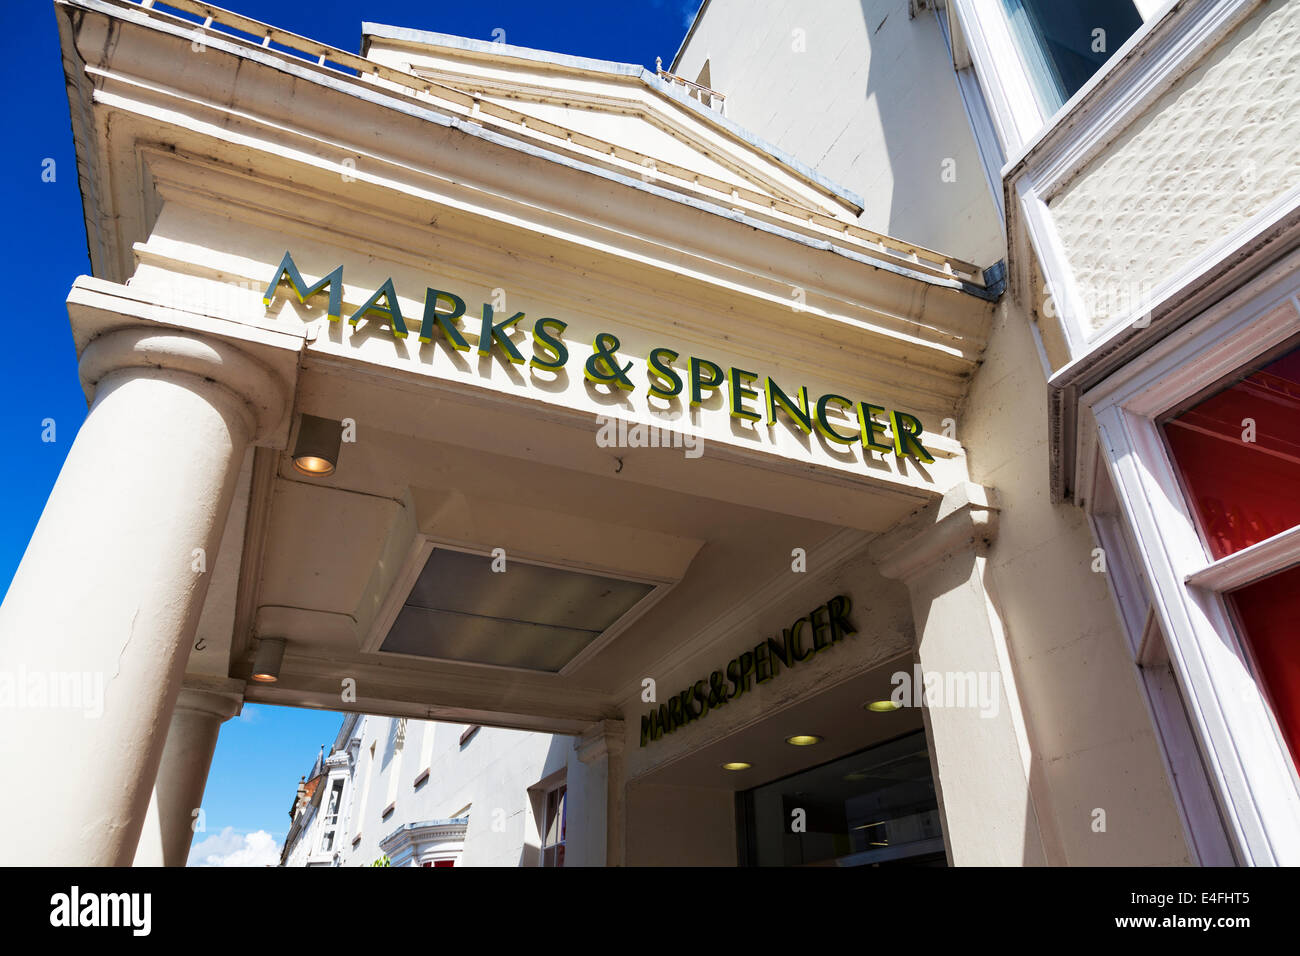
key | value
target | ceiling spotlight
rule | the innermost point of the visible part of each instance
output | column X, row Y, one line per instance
column 316, row 452
column 882, row 706
column 266, row 665
column 803, row 740
column 737, row 765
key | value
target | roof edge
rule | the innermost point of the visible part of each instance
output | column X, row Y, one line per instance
column 386, row 31
column 298, row 67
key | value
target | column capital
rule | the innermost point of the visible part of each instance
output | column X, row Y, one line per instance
column 965, row 518
column 260, row 392
column 605, row 738
column 217, row 697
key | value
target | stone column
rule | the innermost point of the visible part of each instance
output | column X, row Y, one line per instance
column 200, row 711
column 600, row 748
column 993, row 803
column 98, row 622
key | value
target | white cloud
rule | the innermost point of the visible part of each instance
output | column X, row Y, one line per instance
column 229, row 848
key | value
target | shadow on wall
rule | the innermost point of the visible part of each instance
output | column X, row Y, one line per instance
column 530, row 854
column 984, row 797
column 557, row 758
column 939, row 193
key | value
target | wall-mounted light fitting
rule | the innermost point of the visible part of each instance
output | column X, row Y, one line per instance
column 266, row 664
column 316, row 452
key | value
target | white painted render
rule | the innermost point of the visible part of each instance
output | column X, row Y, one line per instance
column 486, row 780
column 809, row 233
column 866, row 95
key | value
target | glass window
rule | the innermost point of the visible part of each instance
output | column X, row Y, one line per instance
column 1206, row 467
column 553, row 827
column 872, row 808
column 331, row 819
column 332, row 808
column 1237, row 454
column 1063, row 44
column 1267, row 612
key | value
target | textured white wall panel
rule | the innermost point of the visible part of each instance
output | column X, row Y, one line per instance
column 1209, row 156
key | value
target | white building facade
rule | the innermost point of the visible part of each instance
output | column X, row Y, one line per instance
column 868, row 440
column 401, row 792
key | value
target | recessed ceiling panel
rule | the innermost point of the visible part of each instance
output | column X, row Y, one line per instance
column 526, row 616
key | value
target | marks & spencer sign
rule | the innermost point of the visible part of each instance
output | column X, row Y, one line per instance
column 664, row 372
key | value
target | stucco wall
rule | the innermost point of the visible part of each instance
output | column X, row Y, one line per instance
column 1207, row 157
column 1090, row 733
column 868, row 98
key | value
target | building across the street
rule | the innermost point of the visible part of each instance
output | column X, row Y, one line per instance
column 871, row 438
column 398, row 792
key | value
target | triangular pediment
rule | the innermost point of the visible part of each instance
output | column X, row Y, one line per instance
column 643, row 136
column 631, row 119
column 624, row 120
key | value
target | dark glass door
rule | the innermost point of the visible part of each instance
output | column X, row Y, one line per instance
column 876, row 807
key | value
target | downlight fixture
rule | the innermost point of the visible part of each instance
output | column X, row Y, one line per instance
column 266, row 665
column 316, row 452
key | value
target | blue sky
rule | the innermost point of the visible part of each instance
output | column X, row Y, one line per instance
column 262, row 753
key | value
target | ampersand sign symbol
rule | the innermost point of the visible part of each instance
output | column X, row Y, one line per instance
column 603, row 367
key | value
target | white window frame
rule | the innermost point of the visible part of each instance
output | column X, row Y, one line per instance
column 982, row 30
column 539, row 794
column 1198, row 810
column 560, row 794
column 1245, row 754
column 334, row 826
column 985, row 33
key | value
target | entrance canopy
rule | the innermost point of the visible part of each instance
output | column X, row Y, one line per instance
column 604, row 366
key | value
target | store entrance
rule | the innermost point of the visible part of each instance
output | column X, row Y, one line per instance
column 875, row 807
